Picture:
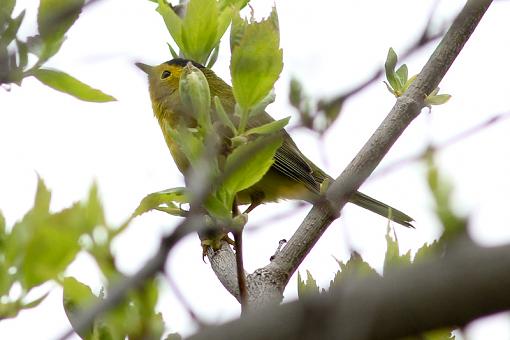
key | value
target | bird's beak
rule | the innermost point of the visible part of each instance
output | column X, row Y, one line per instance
column 144, row 67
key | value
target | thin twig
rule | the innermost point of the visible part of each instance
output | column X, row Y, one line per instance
column 443, row 145
column 184, row 301
column 241, row 276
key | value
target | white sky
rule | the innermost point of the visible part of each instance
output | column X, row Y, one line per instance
column 330, row 46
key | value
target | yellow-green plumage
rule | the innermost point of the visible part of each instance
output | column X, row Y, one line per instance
column 292, row 175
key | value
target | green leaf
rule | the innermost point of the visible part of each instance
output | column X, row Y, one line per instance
column 172, row 21
column 132, row 318
column 63, row 82
column 222, row 115
column 48, row 48
column 55, row 17
column 77, row 297
column 389, row 66
column 170, row 198
column 256, row 60
column 401, row 75
column 426, row 251
column 442, row 190
column 393, row 258
column 200, row 29
column 6, row 8
column 42, row 199
column 237, row 31
column 247, row 164
column 354, row 268
column 43, row 244
column 190, row 144
column 6, row 279
column 22, row 231
column 307, row 288
column 52, row 245
column 434, row 92
column 172, row 51
column 10, row 309
column 437, row 99
column 12, row 29
column 261, row 106
column 213, row 57
column 2, row 230
column 219, row 204
column 224, row 20
column 268, row 128
column 93, row 210
column 409, row 82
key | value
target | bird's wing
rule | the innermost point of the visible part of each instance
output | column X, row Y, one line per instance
column 289, row 160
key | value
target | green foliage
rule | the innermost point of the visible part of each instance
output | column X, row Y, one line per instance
column 133, row 318
column 237, row 162
column 247, row 164
column 393, row 259
column 54, row 19
column 354, row 268
column 436, row 99
column 257, row 59
column 64, row 13
column 199, row 32
column 63, row 82
column 309, row 287
column 6, row 8
column 398, row 81
column 268, row 128
column 222, row 115
column 427, row 251
column 41, row 245
column 77, row 297
column 442, row 191
column 168, row 201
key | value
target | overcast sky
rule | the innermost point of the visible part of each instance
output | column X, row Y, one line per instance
column 328, row 45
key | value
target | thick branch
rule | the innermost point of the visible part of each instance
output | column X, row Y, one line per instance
column 468, row 283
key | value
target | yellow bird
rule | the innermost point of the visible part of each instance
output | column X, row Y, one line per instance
column 292, row 175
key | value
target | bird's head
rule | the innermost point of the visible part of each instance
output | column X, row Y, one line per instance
column 164, row 78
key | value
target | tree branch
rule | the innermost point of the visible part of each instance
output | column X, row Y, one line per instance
column 405, row 110
column 469, row 282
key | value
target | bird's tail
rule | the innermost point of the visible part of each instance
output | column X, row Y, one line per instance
column 382, row 209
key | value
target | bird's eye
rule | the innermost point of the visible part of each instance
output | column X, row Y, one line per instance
column 165, row 74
